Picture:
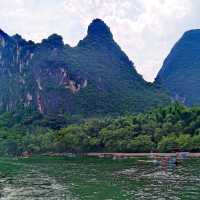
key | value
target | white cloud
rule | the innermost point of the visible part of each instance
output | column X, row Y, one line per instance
column 145, row 29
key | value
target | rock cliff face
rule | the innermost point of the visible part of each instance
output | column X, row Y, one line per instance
column 180, row 72
column 93, row 78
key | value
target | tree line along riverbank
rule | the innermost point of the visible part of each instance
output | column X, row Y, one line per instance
column 160, row 130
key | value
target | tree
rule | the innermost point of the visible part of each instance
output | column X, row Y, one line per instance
column 184, row 142
column 74, row 138
column 141, row 143
column 168, row 143
column 195, row 143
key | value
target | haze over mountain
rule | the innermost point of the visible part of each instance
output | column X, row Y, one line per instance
column 180, row 72
column 95, row 77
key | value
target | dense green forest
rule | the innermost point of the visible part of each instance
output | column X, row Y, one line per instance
column 164, row 129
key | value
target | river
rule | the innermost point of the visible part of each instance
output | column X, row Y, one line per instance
column 90, row 178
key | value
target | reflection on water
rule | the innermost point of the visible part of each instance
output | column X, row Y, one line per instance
column 43, row 178
column 33, row 185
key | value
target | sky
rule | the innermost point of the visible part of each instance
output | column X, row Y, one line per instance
column 145, row 29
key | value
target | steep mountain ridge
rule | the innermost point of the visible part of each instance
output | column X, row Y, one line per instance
column 180, row 72
column 93, row 78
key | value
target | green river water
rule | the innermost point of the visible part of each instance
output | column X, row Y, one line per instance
column 84, row 178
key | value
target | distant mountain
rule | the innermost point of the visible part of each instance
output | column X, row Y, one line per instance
column 180, row 72
column 93, row 78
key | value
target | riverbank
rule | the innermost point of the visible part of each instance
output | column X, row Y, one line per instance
column 135, row 155
column 125, row 155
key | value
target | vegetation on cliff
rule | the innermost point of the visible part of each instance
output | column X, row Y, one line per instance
column 180, row 71
column 95, row 78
